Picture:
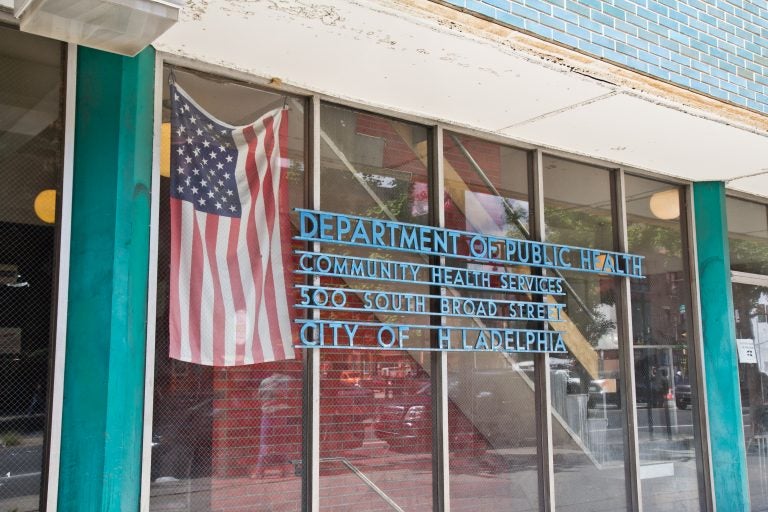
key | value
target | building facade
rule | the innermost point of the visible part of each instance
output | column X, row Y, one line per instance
column 174, row 337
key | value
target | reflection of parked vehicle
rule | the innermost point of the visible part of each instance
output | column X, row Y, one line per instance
column 601, row 391
column 683, row 396
column 406, row 423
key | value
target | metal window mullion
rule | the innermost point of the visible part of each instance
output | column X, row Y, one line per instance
column 545, row 452
column 310, row 478
column 696, row 371
column 439, row 360
column 56, row 389
column 626, row 352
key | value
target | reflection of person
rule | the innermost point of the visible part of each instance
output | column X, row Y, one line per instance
column 36, row 402
column 659, row 392
column 274, row 394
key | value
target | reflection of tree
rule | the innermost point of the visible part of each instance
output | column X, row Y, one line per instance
column 648, row 238
column 578, row 227
column 598, row 326
column 749, row 255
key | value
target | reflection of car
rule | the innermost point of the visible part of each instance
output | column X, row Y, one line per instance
column 406, row 423
column 683, row 396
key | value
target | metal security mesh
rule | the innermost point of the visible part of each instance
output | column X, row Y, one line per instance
column 491, row 413
column 31, row 134
column 375, row 405
column 225, row 437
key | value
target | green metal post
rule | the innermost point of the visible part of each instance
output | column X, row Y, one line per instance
column 721, row 365
column 106, row 326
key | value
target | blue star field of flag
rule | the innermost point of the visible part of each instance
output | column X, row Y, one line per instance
column 203, row 159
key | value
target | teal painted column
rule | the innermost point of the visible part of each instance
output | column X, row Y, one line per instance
column 721, row 366
column 106, row 326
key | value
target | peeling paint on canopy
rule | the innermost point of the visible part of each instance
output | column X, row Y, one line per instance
column 448, row 66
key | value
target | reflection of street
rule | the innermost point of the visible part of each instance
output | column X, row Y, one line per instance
column 371, row 477
column 20, row 476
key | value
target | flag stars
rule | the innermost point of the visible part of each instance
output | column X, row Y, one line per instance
column 180, row 170
column 195, row 171
column 219, row 166
column 194, row 190
column 226, row 175
column 229, row 158
column 206, row 143
column 229, row 193
column 209, row 126
column 180, row 189
column 188, row 159
column 201, row 201
column 180, row 151
column 221, row 183
column 218, row 206
column 189, row 140
column 188, row 181
column 212, row 154
column 199, row 132
column 203, row 183
column 193, row 119
column 232, row 208
column 210, row 194
column 222, row 149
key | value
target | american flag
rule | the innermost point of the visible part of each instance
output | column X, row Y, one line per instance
column 230, row 238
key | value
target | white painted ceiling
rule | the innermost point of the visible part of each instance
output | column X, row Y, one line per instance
column 387, row 54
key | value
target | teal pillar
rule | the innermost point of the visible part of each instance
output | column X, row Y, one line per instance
column 721, row 365
column 107, row 311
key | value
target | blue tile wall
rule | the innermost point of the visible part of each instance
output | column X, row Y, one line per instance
column 718, row 47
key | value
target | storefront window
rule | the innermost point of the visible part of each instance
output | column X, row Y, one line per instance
column 31, row 144
column 748, row 236
column 375, row 405
column 491, row 411
column 229, row 416
column 748, row 242
column 227, row 432
column 667, row 418
column 588, row 409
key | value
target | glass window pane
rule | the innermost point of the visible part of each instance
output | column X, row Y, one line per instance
column 661, row 327
column 225, row 437
column 588, row 409
column 375, row 406
column 491, row 409
column 31, row 135
column 748, row 236
column 751, row 314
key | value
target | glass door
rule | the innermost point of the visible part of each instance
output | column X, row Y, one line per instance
column 751, row 314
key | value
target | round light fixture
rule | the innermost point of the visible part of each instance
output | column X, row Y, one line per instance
column 665, row 205
column 45, row 206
